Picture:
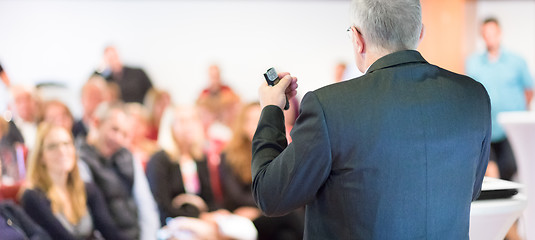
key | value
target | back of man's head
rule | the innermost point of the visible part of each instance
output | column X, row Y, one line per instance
column 388, row 25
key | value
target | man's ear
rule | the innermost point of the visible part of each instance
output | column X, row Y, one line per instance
column 422, row 32
column 360, row 43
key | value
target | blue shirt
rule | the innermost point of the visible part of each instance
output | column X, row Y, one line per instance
column 505, row 79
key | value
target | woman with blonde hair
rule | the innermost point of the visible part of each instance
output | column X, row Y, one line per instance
column 56, row 197
column 236, row 180
column 178, row 176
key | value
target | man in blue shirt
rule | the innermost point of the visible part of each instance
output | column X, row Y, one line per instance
column 509, row 85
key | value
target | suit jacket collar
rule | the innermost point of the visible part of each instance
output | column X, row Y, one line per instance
column 397, row 58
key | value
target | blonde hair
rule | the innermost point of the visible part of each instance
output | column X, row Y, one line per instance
column 196, row 147
column 238, row 150
column 38, row 178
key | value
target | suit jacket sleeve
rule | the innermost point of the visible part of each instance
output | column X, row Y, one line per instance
column 485, row 152
column 287, row 177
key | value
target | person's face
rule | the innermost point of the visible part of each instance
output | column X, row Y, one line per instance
column 58, row 151
column 215, row 76
column 161, row 105
column 58, row 116
column 25, row 106
column 251, row 121
column 111, row 57
column 91, row 98
column 187, row 126
column 113, row 132
column 491, row 34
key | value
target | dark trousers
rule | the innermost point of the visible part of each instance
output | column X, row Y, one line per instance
column 502, row 153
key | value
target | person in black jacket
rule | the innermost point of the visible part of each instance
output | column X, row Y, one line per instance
column 15, row 224
column 57, row 198
column 179, row 177
column 235, row 172
column 133, row 82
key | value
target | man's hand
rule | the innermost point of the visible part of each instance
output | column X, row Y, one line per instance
column 276, row 95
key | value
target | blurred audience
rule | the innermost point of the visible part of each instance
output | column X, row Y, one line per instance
column 12, row 166
column 133, row 82
column 15, row 224
column 179, row 177
column 3, row 89
column 4, row 77
column 25, row 110
column 506, row 77
column 117, row 174
column 217, row 102
column 94, row 92
column 156, row 101
column 137, row 142
column 235, row 172
column 56, row 197
column 57, row 113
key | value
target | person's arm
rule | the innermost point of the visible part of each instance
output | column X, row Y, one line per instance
column 31, row 229
column 148, row 217
column 286, row 178
column 102, row 220
column 529, row 96
column 527, row 82
column 485, row 152
column 37, row 206
column 4, row 77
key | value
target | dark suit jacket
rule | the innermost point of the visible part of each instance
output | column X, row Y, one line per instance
column 398, row 153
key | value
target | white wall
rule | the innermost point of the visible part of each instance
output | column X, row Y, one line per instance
column 175, row 41
column 517, row 19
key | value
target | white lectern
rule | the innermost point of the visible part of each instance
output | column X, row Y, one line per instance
column 520, row 130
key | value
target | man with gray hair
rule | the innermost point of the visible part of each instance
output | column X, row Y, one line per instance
column 398, row 153
column 118, row 175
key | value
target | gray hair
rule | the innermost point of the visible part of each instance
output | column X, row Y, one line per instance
column 105, row 109
column 391, row 25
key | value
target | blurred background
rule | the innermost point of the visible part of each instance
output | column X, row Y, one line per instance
column 176, row 41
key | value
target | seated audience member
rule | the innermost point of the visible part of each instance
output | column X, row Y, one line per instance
column 138, row 143
column 56, row 197
column 235, row 172
column 3, row 89
column 57, row 113
column 133, row 83
column 217, row 101
column 93, row 93
column 24, row 108
column 156, row 102
column 12, row 167
column 15, row 224
column 117, row 174
column 4, row 77
column 9, row 166
column 179, row 177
